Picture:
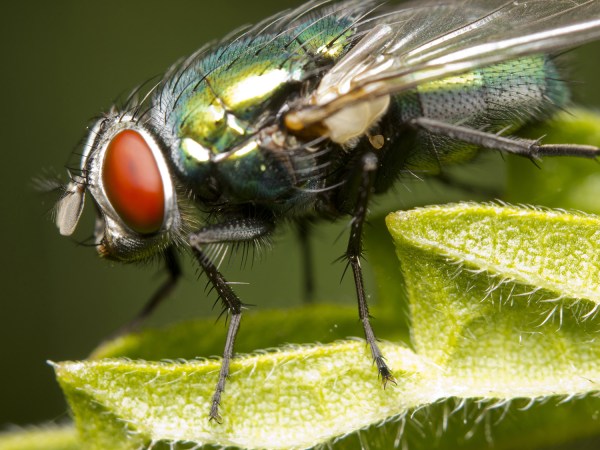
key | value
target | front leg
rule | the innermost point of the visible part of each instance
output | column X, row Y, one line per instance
column 242, row 230
column 353, row 254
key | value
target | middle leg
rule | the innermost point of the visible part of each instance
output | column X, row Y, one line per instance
column 368, row 166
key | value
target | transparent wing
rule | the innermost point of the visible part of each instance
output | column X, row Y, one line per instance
column 416, row 42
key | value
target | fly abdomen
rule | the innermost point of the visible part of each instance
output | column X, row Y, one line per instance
column 498, row 98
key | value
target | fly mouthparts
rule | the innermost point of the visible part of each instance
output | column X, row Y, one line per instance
column 70, row 206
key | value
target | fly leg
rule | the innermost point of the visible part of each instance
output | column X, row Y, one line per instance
column 174, row 272
column 242, row 230
column 523, row 147
column 353, row 254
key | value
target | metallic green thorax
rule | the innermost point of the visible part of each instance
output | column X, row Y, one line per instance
column 219, row 100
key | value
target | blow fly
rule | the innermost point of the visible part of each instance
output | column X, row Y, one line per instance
column 309, row 114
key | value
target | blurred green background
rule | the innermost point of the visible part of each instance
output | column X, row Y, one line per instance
column 63, row 63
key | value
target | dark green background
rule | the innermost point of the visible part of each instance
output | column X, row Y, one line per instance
column 62, row 63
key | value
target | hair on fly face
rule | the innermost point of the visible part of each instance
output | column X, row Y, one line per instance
column 49, row 182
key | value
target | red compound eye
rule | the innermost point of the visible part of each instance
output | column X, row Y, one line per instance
column 133, row 183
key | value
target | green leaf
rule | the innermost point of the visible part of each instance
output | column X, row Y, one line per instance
column 48, row 437
column 301, row 396
column 502, row 307
column 499, row 282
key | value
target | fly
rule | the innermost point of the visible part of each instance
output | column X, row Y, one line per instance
column 307, row 116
